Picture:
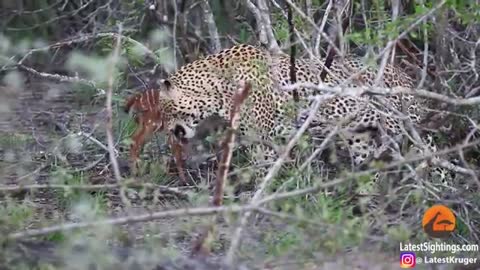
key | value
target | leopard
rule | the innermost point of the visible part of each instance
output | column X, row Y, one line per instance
column 205, row 87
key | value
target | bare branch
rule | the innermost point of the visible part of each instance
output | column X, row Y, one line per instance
column 362, row 90
column 65, row 43
column 94, row 140
column 299, row 192
column 212, row 27
column 262, row 34
column 392, row 43
column 266, row 181
column 88, row 37
column 272, row 42
column 309, row 20
column 174, row 32
column 395, row 13
column 59, row 78
column 129, row 220
column 319, row 31
column 318, row 150
column 163, row 189
column 229, row 142
column 108, row 105
column 298, row 34
column 336, row 34
column 293, row 51
column 425, row 55
column 262, row 15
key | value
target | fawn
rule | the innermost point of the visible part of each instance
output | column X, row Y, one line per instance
column 150, row 118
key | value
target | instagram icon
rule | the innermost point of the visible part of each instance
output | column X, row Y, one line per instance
column 407, row 259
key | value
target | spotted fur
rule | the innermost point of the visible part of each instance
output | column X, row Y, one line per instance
column 363, row 120
column 206, row 86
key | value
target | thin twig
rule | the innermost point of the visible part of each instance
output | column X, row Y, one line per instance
column 63, row 78
column 293, row 51
column 361, row 90
column 174, row 32
column 391, row 43
column 425, row 54
column 59, row 78
column 309, row 20
column 308, row 161
column 266, row 181
column 322, row 146
column 94, row 140
column 28, row 188
column 298, row 34
column 129, row 220
column 414, row 58
column 109, row 124
column 336, row 34
column 395, row 13
column 87, row 37
column 299, row 192
column 90, row 165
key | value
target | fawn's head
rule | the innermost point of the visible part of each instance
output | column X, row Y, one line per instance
column 148, row 109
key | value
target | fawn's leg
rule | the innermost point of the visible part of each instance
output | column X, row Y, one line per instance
column 142, row 134
column 138, row 140
column 177, row 151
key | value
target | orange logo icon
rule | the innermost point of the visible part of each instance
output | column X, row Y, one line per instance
column 438, row 221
